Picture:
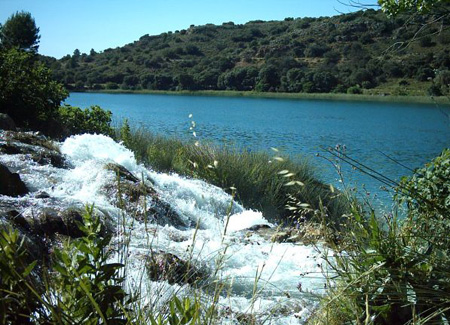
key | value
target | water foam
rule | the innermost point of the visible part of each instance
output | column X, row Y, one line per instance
column 279, row 266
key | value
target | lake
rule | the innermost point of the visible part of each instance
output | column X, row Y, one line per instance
column 373, row 133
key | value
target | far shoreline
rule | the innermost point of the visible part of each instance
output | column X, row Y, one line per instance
column 441, row 100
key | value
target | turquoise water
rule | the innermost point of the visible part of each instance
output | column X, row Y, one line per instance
column 409, row 133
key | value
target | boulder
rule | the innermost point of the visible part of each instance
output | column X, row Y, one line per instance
column 10, row 183
column 7, row 123
column 162, row 266
column 50, row 222
column 140, row 200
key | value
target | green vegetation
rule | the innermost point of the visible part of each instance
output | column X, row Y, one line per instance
column 254, row 177
column 395, row 270
column 28, row 93
column 20, row 31
column 415, row 6
column 81, row 289
column 356, row 52
column 387, row 270
column 74, row 120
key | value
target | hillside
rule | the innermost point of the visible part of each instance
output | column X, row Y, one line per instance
column 358, row 52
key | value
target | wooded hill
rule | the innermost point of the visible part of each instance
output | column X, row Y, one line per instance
column 357, row 52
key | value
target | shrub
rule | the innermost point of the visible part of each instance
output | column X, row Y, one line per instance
column 82, row 287
column 18, row 302
column 111, row 85
column 434, row 90
column 74, row 120
column 354, row 90
column 316, row 50
column 28, row 93
column 396, row 271
column 88, row 288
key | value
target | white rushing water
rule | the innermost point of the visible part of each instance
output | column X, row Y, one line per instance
column 237, row 255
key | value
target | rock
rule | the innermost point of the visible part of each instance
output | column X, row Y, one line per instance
column 280, row 237
column 10, row 183
column 306, row 234
column 287, row 308
column 169, row 267
column 71, row 217
column 7, row 123
column 122, row 172
column 50, row 222
column 140, row 200
column 41, row 195
column 258, row 227
column 39, row 148
column 34, row 244
column 18, row 220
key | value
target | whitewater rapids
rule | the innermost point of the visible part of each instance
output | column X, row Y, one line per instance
column 290, row 275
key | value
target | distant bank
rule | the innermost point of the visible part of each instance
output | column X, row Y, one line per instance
column 439, row 100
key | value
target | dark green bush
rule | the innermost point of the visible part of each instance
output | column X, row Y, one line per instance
column 74, row 120
column 27, row 91
column 354, row 90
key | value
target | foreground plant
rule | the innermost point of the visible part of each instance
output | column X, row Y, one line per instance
column 396, row 271
column 18, row 286
column 88, row 286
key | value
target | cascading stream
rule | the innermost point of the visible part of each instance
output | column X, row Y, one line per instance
column 236, row 256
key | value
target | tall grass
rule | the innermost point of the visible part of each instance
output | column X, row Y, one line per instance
column 255, row 176
column 392, row 270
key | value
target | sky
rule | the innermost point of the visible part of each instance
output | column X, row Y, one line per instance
column 66, row 25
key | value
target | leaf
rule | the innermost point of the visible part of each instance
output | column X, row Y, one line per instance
column 29, row 268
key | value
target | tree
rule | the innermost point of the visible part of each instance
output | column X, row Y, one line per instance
column 394, row 7
column 20, row 31
column 27, row 92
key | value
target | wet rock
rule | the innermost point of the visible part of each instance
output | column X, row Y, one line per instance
column 7, row 123
column 122, row 172
column 258, row 227
column 280, row 237
column 10, row 183
column 17, row 219
column 244, row 318
column 168, row 267
column 39, row 148
column 305, row 234
column 51, row 221
column 140, row 200
column 34, row 244
column 48, row 223
column 41, row 195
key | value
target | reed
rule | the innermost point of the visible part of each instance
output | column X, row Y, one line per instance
column 255, row 176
